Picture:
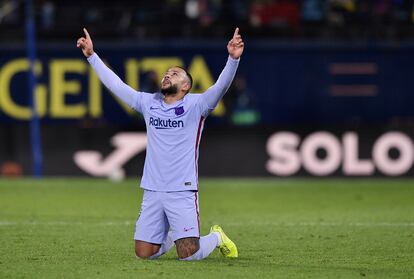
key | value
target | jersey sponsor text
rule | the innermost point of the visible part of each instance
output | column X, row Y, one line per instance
column 159, row 123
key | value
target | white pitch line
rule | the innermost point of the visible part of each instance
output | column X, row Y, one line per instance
column 327, row 224
column 64, row 223
column 280, row 224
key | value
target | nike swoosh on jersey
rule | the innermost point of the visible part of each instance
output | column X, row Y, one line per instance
column 188, row 229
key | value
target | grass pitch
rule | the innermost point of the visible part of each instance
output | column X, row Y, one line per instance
column 83, row 228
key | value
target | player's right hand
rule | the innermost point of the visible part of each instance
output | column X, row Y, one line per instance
column 85, row 44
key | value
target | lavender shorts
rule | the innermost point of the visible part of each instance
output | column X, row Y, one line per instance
column 164, row 211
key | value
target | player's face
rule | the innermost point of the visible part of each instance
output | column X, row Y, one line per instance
column 173, row 81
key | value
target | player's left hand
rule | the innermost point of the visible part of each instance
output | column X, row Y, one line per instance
column 235, row 46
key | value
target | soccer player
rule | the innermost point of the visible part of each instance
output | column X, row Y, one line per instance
column 174, row 119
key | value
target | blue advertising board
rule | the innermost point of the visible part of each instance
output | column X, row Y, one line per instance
column 290, row 83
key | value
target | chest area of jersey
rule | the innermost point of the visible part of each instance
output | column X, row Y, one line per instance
column 174, row 118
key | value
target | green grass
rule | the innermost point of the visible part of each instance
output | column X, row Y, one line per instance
column 83, row 228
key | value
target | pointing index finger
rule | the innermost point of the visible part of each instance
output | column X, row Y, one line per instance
column 236, row 32
column 86, row 34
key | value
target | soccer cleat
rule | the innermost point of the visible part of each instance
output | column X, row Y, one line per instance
column 227, row 247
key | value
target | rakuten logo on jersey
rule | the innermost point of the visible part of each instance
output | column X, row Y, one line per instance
column 288, row 154
column 159, row 123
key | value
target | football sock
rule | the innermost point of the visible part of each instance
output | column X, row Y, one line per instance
column 218, row 238
column 207, row 244
column 165, row 247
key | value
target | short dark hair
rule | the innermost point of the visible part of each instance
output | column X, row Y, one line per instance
column 190, row 78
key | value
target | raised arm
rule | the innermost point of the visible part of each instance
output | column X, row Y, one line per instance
column 106, row 75
column 235, row 48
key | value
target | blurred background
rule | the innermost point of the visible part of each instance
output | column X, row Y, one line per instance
column 324, row 87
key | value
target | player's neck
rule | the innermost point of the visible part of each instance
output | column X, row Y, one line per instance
column 171, row 99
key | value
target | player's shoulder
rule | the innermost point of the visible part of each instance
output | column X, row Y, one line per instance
column 151, row 96
column 193, row 97
column 154, row 95
column 147, row 99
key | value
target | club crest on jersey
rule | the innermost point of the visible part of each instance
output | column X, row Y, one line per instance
column 179, row 110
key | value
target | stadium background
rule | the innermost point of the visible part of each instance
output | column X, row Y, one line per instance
column 324, row 87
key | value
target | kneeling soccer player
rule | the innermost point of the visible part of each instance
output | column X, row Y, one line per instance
column 174, row 119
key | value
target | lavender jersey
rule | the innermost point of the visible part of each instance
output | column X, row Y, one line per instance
column 173, row 130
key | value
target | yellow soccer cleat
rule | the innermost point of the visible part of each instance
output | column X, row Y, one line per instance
column 227, row 247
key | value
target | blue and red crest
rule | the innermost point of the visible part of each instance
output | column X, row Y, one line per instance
column 179, row 110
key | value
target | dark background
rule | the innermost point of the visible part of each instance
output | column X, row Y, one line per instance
column 308, row 66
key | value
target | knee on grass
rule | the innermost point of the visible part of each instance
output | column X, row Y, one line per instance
column 143, row 254
column 144, row 250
